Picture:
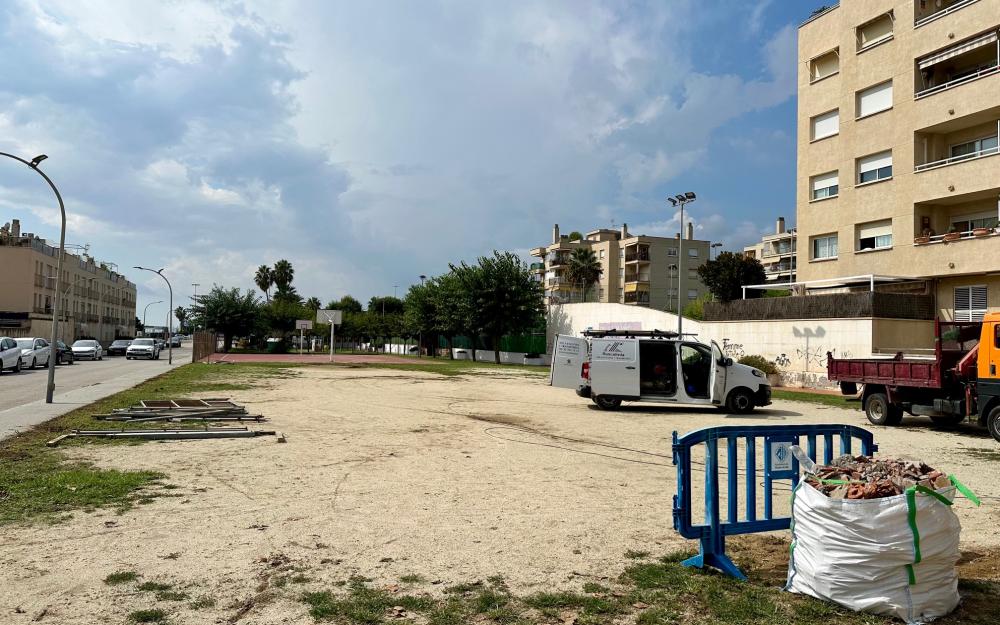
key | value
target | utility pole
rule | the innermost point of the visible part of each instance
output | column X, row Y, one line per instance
column 680, row 200
column 195, row 285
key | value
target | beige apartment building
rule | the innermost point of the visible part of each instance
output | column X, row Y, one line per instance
column 638, row 270
column 898, row 173
column 776, row 252
column 96, row 301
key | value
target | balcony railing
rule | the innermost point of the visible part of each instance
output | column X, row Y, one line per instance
column 952, row 237
column 976, row 75
column 950, row 8
column 779, row 252
column 40, row 281
column 637, row 297
column 638, row 281
column 537, row 266
column 642, row 256
column 958, row 159
column 44, row 310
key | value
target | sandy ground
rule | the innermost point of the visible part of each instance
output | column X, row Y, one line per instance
column 390, row 473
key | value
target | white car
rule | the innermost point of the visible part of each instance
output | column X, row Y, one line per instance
column 87, row 349
column 10, row 354
column 34, row 352
column 143, row 348
column 614, row 366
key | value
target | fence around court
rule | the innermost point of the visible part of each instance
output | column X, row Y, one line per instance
column 702, row 447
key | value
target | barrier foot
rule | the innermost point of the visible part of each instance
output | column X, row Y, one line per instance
column 718, row 561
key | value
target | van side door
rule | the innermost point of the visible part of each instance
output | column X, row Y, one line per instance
column 568, row 355
column 614, row 367
column 718, row 381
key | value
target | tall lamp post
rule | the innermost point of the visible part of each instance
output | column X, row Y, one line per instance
column 144, row 313
column 714, row 245
column 680, row 200
column 195, row 285
column 33, row 164
column 170, row 309
column 420, row 331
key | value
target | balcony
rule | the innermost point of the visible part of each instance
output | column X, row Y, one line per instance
column 532, row 266
column 41, row 281
column 42, row 310
column 959, row 64
column 958, row 232
column 639, row 298
column 782, row 250
column 637, row 254
column 926, row 11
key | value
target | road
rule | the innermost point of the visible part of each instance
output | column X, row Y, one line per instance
column 22, row 394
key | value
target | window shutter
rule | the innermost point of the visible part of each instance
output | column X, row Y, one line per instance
column 970, row 303
column 875, row 161
column 825, row 180
column 826, row 125
column 875, row 99
column 875, row 229
column 875, row 31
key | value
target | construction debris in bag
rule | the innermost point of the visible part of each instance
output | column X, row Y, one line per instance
column 861, row 477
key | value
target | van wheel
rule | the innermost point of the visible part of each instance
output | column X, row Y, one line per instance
column 740, row 401
column 606, row 403
column 993, row 423
column 880, row 412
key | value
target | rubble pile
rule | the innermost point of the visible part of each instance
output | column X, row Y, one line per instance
column 861, row 477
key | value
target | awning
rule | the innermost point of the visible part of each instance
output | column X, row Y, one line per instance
column 962, row 48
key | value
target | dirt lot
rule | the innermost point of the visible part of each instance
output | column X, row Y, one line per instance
column 392, row 474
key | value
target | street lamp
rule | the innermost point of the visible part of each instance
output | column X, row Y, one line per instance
column 673, row 270
column 714, row 245
column 195, row 298
column 170, row 309
column 680, row 200
column 144, row 313
column 33, row 164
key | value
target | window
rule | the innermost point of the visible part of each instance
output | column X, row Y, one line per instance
column 824, row 247
column 970, row 303
column 874, row 99
column 692, row 252
column 621, row 254
column 974, row 148
column 672, row 251
column 966, row 223
column 875, row 167
column 692, row 274
column 692, row 294
column 825, row 185
column 824, row 65
column 875, row 235
column 602, row 253
column 875, row 32
column 825, row 125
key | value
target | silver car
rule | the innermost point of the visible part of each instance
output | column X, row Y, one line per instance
column 10, row 355
column 34, row 352
column 143, row 348
column 87, row 349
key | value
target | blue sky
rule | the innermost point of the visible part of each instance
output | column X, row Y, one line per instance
column 371, row 142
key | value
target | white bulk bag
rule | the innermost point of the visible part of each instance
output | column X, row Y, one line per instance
column 865, row 555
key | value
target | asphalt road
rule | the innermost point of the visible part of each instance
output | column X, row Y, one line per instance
column 17, row 389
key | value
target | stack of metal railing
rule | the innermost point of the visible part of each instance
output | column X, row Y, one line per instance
column 177, row 410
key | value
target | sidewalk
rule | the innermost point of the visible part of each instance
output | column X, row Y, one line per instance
column 23, row 417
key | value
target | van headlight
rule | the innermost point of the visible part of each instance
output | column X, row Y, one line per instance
column 757, row 372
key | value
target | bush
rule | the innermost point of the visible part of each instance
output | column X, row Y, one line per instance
column 696, row 309
column 759, row 362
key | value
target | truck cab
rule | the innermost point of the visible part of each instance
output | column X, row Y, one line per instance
column 613, row 366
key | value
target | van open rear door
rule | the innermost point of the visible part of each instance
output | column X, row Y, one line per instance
column 718, row 381
column 568, row 355
column 614, row 367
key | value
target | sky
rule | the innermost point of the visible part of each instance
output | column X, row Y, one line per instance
column 371, row 142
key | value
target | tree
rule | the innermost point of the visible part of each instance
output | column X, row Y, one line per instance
column 419, row 315
column 453, row 310
column 385, row 305
column 138, row 325
column 584, row 269
column 313, row 304
column 181, row 315
column 347, row 304
column 504, row 297
column 728, row 273
column 575, row 236
column 264, row 279
column 228, row 312
column 283, row 274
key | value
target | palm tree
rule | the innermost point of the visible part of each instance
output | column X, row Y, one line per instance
column 282, row 275
column 181, row 316
column 313, row 304
column 584, row 269
column 264, row 278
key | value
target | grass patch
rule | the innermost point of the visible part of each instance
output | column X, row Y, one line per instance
column 155, row 615
column 410, row 578
column 362, row 605
column 202, row 603
column 984, row 453
column 444, row 366
column 636, row 555
column 837, row 401
column 154, row 587
column 121, row 577
column 37, row 483
column 171, row 595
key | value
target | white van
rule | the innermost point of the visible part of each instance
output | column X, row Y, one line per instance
column 614, row 366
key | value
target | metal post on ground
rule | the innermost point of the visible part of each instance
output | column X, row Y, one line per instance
column 333, row 339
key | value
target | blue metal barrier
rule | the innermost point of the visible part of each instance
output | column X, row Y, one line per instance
column 779, row 464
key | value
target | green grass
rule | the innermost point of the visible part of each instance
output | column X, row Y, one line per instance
column 202, row 603
column 148, row 616
column 38, row 483
column 837, row 401
column 154, row 587
column 121, row 577
column 445, row 366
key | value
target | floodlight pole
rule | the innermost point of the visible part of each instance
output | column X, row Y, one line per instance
column 680, row 199
column 170, row 310
column 33, row 164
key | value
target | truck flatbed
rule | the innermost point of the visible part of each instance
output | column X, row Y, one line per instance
column 898, row 371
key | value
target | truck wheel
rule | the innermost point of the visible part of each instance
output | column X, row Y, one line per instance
column 880, row 412
column 993, row 423
column 740, row 401
column 606, row 403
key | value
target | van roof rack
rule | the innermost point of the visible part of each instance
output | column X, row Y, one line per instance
column 667, row 334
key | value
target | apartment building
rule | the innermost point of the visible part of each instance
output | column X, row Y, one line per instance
column 898, row 118
column 97, row 302
column 776, row 252
column 638, row 270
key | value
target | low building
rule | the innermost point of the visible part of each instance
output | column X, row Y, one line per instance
column 638, row 270
column 776, row 252
column 96, row 302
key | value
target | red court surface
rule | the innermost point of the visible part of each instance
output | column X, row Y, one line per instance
column 320, row 359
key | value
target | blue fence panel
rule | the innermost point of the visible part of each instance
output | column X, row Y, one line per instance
column 779, row 464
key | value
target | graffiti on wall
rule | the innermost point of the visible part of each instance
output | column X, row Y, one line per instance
column 733, row 350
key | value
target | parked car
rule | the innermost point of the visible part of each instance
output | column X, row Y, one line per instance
column 175, row 341
column 87, row 348
column 10, row 355
column 64, row 354
column 34, row 352
column 118, row 347
column 613, row 366
column 143, row 348
column 161, row 344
